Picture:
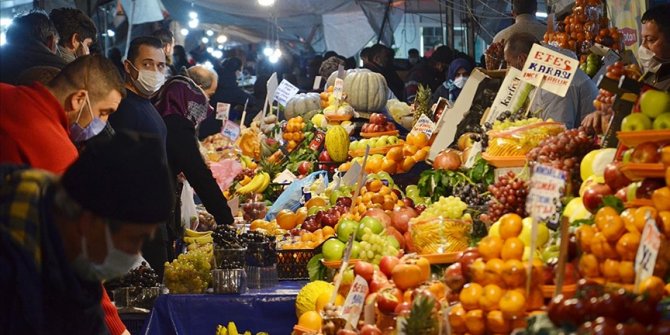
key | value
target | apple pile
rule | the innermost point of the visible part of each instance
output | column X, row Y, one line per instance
column 378, row 124
column 490, row 282
column 598, row 309
column 654, row 112
column 321, row 216
column 610, row 245
column 375, row 142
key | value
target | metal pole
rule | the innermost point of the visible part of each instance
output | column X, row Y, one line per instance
column 386, row 16
column 450, row 25
column 130, row 29
column 471, row 30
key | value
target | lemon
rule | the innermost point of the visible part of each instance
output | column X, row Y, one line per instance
column 575, row 210
column 594, row 162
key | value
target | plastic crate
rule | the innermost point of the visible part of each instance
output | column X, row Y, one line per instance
column 292, row 263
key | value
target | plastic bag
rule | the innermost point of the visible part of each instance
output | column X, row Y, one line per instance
column 189, row 214
column 292, row 195
column 225, row 171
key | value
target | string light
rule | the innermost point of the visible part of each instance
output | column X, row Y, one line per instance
column 184, row 31
column 193, row 23
column 193, row 15
column 209, row 32
column 221, row 39
column 266, row 3
column 205, row 40
column 268, row 51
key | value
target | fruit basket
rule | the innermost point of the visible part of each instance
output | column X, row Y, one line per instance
column 389, row 133
column 229, row 258
column 141, row 297
column 292, row 263
column 633, row 138
column 440, row 235
column 639, row 171
column 374, row 151
column 445, row 258
column 505, row 162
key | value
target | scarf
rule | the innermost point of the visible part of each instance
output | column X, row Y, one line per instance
column 181, row 96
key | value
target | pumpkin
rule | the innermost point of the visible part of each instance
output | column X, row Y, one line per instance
column 303, row 104
column 366, row 91
column 337, row 143
column 331, row 78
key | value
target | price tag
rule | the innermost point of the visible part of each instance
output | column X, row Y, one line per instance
column 551, row 69
column 317, row 83
column 338, row 88
column 353, row 305
column 222, row 111
column 231, row 130
column 650, row 243
column 425, row 125
column 544, row 198
column 285, row 91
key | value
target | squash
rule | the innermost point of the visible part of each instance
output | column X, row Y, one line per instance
column 331, row 78
column 337, row 143
column 303, row 104
column 366, row 91
column 306, row 299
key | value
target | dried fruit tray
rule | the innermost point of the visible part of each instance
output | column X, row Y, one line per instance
column 446, row 258
column 373, row 151
column 505, row 162
column 633, row 138
column 639, row 171
column 389, row 133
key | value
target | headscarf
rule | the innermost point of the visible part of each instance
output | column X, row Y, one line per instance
column 456, row 64
column 181, row 96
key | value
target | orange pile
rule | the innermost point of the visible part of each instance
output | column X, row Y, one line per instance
column 376, row 195
column 496, row 301
column 309, row 240
column 293, row 133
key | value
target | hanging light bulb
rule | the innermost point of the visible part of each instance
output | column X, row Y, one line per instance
column 268, row 51
column 220, row 47
column 276, row 53
column 273, row 59
column 110, row 33
column 192, row 15
column 209, row 32
column 184, row 31
column 266, row 3
column 210, row 49
column 193, row 23
column 205, row 40
column 217, row 54
column 221, row 39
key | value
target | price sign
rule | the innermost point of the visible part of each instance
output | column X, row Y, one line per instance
column 544, row 198
column 285, row 91
column 425, row 125
column 650, row 243
column 317, row 83
column 222, row 111
column 353, row 305
column 231, row 130
column 338, row 88
column 551, row 69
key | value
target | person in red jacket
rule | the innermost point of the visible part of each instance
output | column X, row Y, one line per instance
column 40, row 124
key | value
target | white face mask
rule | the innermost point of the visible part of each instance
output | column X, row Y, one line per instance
column 147, row 82
column 460, row 81
column 648, row 60
column 116, row 264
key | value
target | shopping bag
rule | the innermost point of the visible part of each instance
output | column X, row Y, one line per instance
column 292, row 195
column 189, row 214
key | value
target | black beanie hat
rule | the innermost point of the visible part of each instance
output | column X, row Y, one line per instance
column 125, row 178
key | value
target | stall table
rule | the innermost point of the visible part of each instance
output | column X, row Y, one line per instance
column 271, row 310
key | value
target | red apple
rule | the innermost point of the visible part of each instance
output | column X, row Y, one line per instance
column 403, row 309
column 401, row 216
column 324, row 156
column 304, row 168
column 388, row 299
column 648, row 186
column 409, row 245
column 454, row 277
column 378, row 282
column 614, row 178
column 593, row 196
column 467, row 258
column 646, row 152
column 370, row 330
column 387, row 263
column 622, row 194
column 365, row 270
column 380, row 215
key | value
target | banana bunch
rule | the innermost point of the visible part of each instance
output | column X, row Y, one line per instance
column 247, row 162
column 232, row 330
column 257, row 185
column 197, row 237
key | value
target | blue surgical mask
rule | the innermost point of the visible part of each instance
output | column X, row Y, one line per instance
column 116, row 264
column 79, row 134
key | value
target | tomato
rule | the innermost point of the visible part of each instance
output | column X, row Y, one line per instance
column 388, row 299
column 407, row 276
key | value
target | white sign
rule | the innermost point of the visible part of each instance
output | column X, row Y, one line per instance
column 231, row 130
column 317, row 83
column 222, row 111
column 338, row 89
column 349, row 178
column 650, row 243
column 551, row 69
column 271, row 85
column 285, row 91
column 543, row 203
column 505, row 96
column 353, row 305
column 471, row 158
column 425, row 125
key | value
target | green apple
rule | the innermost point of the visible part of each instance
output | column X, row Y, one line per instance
column 393, row 140
column 333, row 249
column 315, row 209
column 382, row 141
column 348, row 277
column 345, row 228
column 625, row 158
column 662, row 121
column 355, row 250
column 654, row 103
column 390, row 240
column 636, row 122
column 551, row 251
column 355, row 145
column 631, row 190
column 374, row 225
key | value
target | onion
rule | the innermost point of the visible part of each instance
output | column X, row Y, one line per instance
column 400, row 218
column 380, row 215
column 447, row 160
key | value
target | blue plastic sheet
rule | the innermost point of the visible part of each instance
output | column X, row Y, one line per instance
column 271, row 310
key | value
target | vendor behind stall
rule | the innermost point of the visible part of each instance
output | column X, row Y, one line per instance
column 60, row 237
column 570, row 109
column 654, row 53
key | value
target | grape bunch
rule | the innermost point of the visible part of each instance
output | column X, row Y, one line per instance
column 564, row 151
column 508, row 196
column 450, row 207
column 141, row 276
column 474, row 195
column 226, row 237
column 373, row 247
column 189, row 273
column 245, row 172
column 261, row 248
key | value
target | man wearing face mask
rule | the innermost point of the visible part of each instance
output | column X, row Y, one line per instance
column 381, row 61
column 654, row 53
column 40, row 125
column 77, row 32
column 61, row 237
column 457, row 75
column 145, row 68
